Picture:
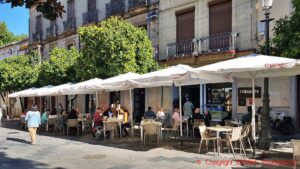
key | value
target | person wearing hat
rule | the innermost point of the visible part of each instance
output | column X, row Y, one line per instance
column 33, row 120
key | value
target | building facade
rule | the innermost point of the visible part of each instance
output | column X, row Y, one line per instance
column 44, row 35
column 14, row 49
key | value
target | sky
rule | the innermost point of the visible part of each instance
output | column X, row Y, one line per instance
column 16, row 18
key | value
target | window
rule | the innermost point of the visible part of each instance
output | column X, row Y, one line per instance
column 38, row 23
column 71, row 9
column 69, row 46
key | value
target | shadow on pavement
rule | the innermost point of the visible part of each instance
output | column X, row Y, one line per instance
column 18, row 140
column 17, row 163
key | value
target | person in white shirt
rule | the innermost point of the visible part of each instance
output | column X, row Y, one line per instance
column 161, row 115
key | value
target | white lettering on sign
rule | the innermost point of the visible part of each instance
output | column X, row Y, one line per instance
column 245, row 91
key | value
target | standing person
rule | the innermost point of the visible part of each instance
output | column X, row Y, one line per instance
column 33, row 119
column 188, row 108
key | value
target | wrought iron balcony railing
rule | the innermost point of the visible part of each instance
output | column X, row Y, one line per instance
column 90, row 17
column 52, row 31
column 136, row 3
column 69, row 24
column 115, row 7
column 209, row 44
column 37, row 36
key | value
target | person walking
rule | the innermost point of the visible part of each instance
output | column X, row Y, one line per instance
column 33, row 120
column 188, row 108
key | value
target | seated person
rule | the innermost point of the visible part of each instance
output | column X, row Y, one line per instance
column 72, row 115
column 198, row 115
column 207, row 118
column 176, row 116
column 127, row 123
column 44, row 118
column 247, row 118
column 98, row 117
column 150, row 114
column 228, row 117
column 161, row 115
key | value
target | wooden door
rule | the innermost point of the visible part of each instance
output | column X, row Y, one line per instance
column 185, row 31
column 220, row 23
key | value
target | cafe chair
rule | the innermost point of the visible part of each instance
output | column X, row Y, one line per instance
column 50, row 123
column 151, row 129
column 174, row 129
column 112, row 128
column 58, row 126
column 72, row 123
column 87, row 124
column 235, row 136
column 296, row 152
column 196, row 124
column 245, row 134
column 205, row 136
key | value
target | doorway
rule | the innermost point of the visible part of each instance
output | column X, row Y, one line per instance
column 138, row 104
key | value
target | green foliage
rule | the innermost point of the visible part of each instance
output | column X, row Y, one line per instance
column 7, row 37
column 114, row 47
column 60, row 68
column 17, row 73
column 286, row 41
column 51, row 9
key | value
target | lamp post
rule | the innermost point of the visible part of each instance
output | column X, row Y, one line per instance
column 265, row 138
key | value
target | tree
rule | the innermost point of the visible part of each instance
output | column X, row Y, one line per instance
column 51, row 9
column 60, row 68
column 7, row 37
column 286, row 41
column 114, row 47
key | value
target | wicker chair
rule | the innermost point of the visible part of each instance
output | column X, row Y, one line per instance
column 72, row 123
column 206, row 137
column 174, row 129
column 196, row 124
column 245, row 134
column 296, row 152
column 235, row 136
column 151, row 129
column 112, row 128
column 59, row 125
column 88, row 124
column 51, row 122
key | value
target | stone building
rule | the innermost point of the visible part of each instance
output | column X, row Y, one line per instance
column 14, row 49
column 44, row 35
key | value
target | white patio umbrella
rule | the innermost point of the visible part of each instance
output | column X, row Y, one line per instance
column 117, row 83
column 178, row 75
column 81, row 87
column 54, row 91
column 253, row 66
column 18, row 94
column 32, row 92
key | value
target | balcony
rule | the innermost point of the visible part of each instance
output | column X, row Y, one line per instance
column 69, row 24
column 52, row 31
column 204, row 45
column 136, row 3
column 38, row 36
column 90, row 17
column 115, row 7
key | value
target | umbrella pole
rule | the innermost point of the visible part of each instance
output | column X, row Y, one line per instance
column 131, row 117
column 97, row 99
column 180, row 110
column 253, row 114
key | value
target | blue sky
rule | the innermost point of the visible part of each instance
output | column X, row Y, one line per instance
column 15, row 18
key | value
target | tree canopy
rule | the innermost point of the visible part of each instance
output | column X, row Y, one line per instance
column 51, row 9
column 114, row 47
column 286, row 42
column 7, row 37
column 60, row 68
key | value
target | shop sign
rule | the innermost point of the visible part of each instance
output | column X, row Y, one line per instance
column 246, row 92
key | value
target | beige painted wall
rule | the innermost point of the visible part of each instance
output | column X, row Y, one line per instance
column 279, row 90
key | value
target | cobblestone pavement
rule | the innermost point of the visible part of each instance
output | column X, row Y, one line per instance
column 76, row 152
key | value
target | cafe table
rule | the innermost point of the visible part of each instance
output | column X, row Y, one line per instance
column 143, row 123
column 219, row 129
column 119, row 121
